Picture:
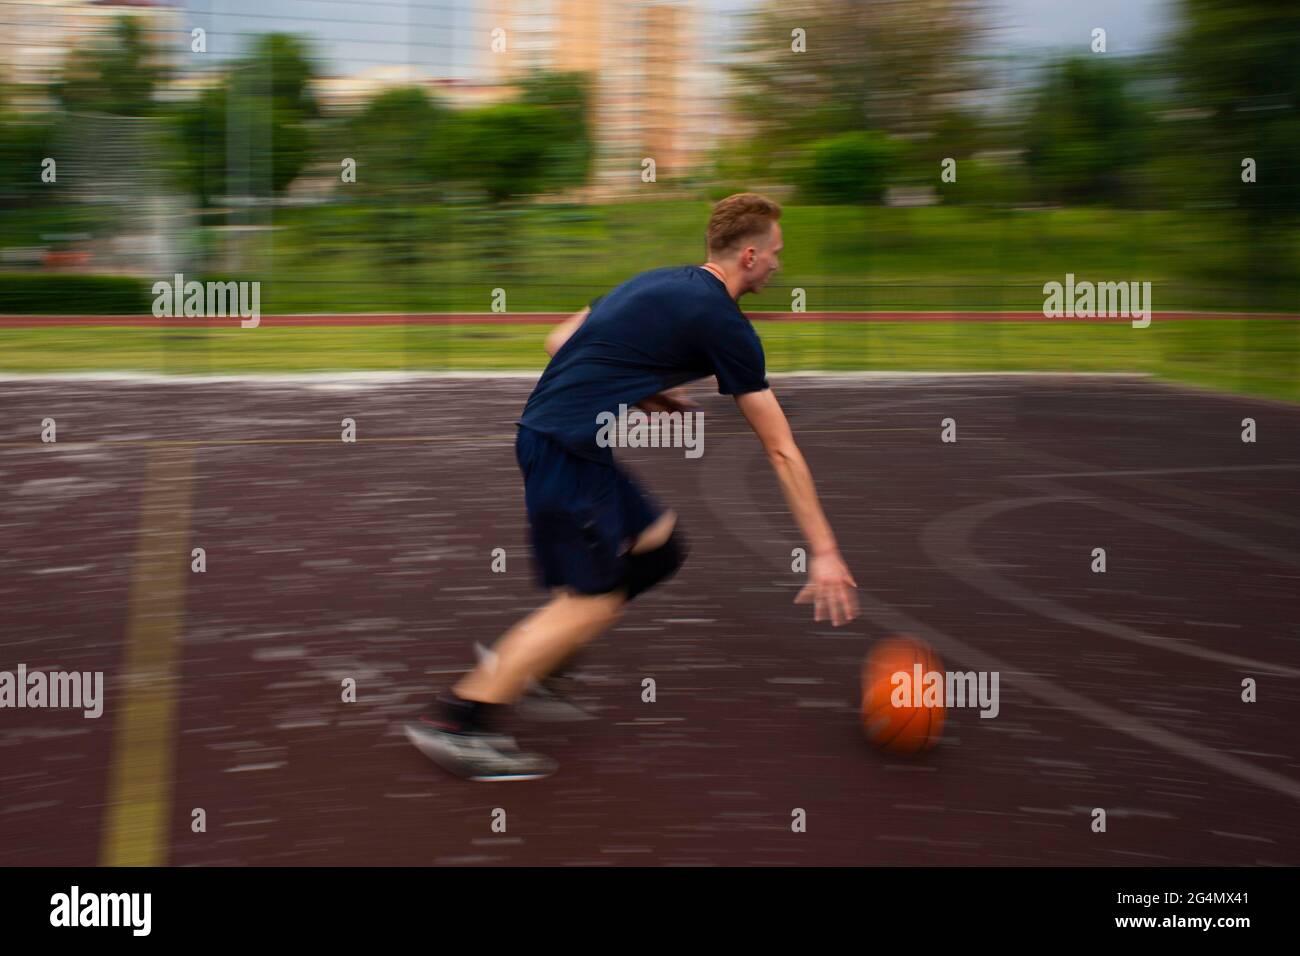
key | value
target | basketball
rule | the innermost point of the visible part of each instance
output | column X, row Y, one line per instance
column 902, row 708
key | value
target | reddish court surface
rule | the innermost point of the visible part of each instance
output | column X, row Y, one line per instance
column 550, row 318
column 372, row 561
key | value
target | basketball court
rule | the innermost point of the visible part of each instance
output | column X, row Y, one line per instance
column 372, row 561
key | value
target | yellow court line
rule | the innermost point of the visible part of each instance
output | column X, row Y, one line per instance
column 141, row 770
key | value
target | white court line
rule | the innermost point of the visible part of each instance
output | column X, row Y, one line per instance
column 384, row 378
column 757, row 533
column 1213, row 503
column 946, row 541
column 896, row 622
column 1169, row 522
column 1157, row 471
column 303, row 378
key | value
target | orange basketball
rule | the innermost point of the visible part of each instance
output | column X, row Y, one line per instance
column 902, row 709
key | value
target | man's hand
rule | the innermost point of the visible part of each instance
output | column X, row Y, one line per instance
column 673, row 400
column 829, row 588
column 829, row 581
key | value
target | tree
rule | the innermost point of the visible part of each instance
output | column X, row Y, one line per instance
column 566, row 99
column 538, row 143
column 399, row 143
column 202, row 125
column 1239, row 60
column 25, row 140
column 250, row 134
column 118, row 77
column 1085, row 132
column 848, row 168
column 511, row 151
column 271, row 94
column 891, row 65
column 505, row 148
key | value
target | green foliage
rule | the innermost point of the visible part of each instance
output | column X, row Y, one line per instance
column 25, row 140
column 957, row 134
column 118, row 77
column 566, row 101
column 59, row 294
column 399, row 142
column 202, row 126
column 984, row 182
column 1239, row 61
column 261, row 111
column 504, row 148
column 1086, row 132
column 886, row 66
column 407, row 144
column 849, row 168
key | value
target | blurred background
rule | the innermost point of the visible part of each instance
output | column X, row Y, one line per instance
column 554, row 148
column 386, row 171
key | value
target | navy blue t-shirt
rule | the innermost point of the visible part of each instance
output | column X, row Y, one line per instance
column 654, row 332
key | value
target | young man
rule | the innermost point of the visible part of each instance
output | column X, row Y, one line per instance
column 598, row 539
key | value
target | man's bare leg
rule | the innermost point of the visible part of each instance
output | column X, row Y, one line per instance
column 551, row 635
column 656, row 535
column 534, row 646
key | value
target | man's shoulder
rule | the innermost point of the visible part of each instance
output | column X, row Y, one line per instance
column 688, row 290
column 659, row 272
column 648, row 278
column 663, row 275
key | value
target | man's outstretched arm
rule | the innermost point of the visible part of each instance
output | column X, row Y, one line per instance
column 829, row 582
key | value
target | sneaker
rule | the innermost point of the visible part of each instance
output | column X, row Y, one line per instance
column 477, row 755
column 549, row 701
column 545, row 700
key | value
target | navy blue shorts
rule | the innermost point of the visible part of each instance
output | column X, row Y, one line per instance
column 583, row 515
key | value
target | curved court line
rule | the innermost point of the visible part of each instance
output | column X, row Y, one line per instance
column 730, row 471
column 946, row 542
column 1209, row 502
column 1190, row 529
column 1144, row 731
column 1144, row 479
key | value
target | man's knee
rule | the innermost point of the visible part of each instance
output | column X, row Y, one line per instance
column 649, row 568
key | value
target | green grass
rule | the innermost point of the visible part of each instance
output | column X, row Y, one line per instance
column 1256, row 357
column 442, row 259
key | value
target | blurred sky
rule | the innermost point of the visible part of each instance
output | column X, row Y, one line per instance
column 1131, row 25
column 440, row 34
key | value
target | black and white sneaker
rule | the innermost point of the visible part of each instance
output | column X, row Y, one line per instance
column 545, row 700
column 477, row 755
column 549, row 700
